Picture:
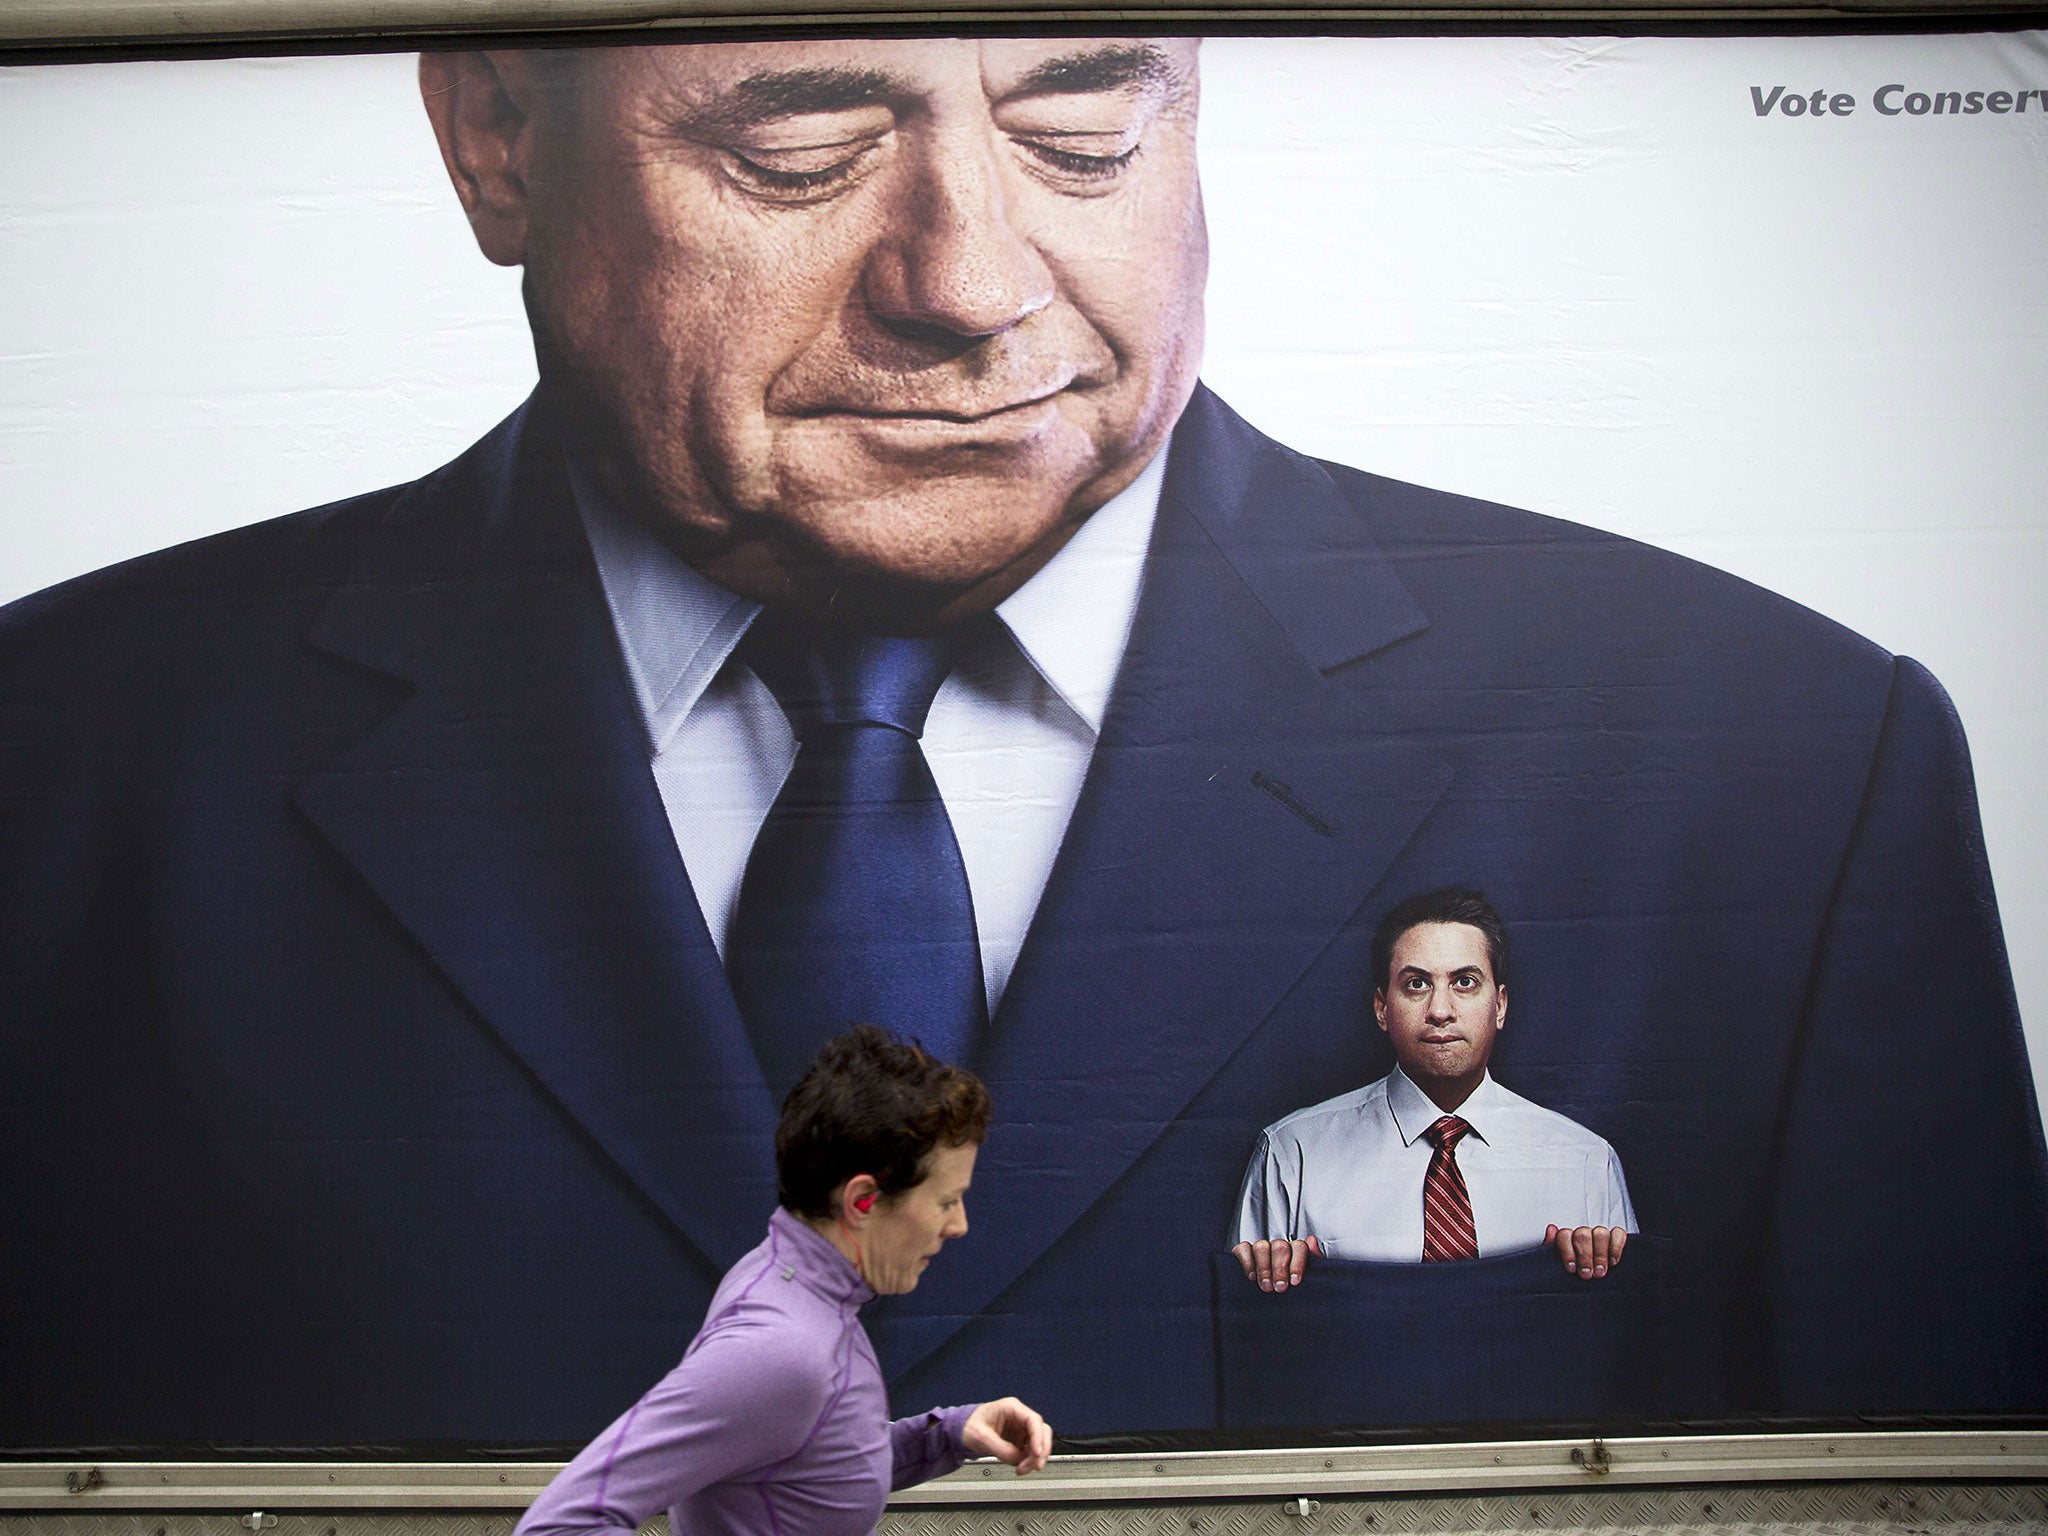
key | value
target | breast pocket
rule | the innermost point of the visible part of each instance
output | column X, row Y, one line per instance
column 1510, row 1341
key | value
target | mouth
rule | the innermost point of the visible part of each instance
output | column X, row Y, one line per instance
column 917, row 435
column 962, row 411
column 939, row 416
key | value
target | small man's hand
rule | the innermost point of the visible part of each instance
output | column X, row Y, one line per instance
column 1276, row 1264
column 1009, row 1431
column 1588, row 1252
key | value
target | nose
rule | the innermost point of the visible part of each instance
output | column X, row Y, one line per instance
column 957, row 1227
column 953, row 262
column 1442, row 1005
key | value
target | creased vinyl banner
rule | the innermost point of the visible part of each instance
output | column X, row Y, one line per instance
column 406, row 933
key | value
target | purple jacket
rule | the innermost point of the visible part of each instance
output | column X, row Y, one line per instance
column 775, row 1423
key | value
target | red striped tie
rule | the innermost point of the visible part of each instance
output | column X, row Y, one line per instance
column 1447, row 1232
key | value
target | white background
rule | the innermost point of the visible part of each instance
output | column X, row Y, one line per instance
column 1580, row 276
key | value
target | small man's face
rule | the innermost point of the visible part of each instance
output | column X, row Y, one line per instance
column 1441, row 1008
column 862, row 317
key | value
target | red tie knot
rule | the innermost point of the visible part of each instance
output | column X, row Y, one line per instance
column 1446, row 1132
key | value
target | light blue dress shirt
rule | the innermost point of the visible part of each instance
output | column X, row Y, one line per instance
column 1349, row 1172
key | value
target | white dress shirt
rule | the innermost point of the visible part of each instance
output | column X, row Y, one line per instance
column 1008, row 738
column 1349, row 1172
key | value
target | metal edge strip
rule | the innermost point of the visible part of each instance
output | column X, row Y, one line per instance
column 1931, row 1455
column 86, row 24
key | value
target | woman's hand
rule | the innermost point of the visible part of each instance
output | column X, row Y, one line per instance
column 1009, row 1431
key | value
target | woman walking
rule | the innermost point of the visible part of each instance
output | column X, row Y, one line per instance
column 776, row 1422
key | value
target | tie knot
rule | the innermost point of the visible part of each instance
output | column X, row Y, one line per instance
column 1446, row 1132
column 825, row 677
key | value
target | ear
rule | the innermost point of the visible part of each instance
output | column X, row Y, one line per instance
column 481, row 107
column 1379, row 1006
column 1500, row 1009
column 857, row 1198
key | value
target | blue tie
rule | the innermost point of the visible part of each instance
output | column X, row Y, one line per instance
column 854, row 907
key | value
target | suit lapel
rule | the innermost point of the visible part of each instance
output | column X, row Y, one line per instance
column 506, row 815
column 1237, row 811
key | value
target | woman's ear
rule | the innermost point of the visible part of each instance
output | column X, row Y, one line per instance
column 857, row 1198
column 482, row 108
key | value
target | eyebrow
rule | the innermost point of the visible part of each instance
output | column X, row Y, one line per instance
column 772, row 94
column 1111, row 68
column 778, row 93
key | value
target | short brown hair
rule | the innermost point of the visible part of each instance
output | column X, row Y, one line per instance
column 873, row 1104
column 1448, row 904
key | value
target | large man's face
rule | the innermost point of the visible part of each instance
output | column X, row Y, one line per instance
column 856, row 317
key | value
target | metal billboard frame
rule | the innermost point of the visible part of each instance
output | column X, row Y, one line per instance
column 57, row 26
column 83, row 30
column 79, row 1487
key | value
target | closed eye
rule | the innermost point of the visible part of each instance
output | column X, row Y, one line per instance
column 1081, row 158
column 806, row 173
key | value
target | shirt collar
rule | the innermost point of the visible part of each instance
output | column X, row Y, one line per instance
column 1071, row 620
column 806, row 1254
column 675, row 626
column 1415, row 1111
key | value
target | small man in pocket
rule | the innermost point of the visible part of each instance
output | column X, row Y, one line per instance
column 1436, row 1161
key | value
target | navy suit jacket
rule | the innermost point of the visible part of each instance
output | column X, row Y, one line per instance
column 367, row 1074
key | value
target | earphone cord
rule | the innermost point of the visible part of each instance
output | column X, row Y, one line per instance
column 860, row 1263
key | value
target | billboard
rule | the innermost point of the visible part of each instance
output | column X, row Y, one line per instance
column 413, row 908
